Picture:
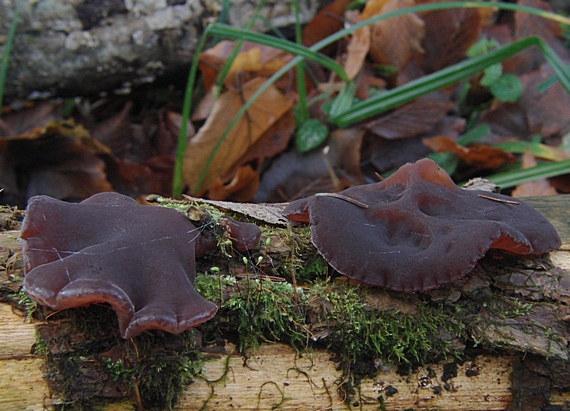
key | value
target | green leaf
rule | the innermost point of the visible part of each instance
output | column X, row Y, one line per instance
column 507, row 88
column 481, row 47
column 310, row 135
column 492, row 74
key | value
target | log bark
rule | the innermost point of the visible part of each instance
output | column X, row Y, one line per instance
column 519, row 364
column 66, row 47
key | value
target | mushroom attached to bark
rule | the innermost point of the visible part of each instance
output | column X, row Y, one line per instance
column 139, row 259
column 416, row 230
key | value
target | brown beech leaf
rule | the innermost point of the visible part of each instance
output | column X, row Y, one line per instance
column 293, row 175
column 262, row 114
column 397, row 40
column 357, row 49
column 19, row 122
column 327, row 21
column 526, row 25
column 478, row 155
column 253, row 60
column 416, row 117
column 540, row 187
column 547, row 113
column 115, row 132
column 241, row 188
column 449, row 33
column 60, row 160
column 140, row 179
column 273, row 141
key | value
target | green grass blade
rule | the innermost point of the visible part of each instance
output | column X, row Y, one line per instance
column 177, row 177
column 515, row 177
column 8, row 49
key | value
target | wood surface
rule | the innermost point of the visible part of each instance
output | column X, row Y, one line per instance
column 278, row 377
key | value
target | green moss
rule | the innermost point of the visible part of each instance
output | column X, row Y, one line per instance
column 29, row 306
column 363, row 335
column 254, row 311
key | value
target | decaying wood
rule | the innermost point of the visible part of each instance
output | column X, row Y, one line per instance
column 515, row 368
column 86, row 47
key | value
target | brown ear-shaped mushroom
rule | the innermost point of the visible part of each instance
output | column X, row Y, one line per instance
column 416, row 230
column 139, row 259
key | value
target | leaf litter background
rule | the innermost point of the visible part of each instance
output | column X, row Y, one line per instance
column 72, row 148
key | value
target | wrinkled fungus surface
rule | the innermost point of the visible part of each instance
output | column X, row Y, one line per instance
column 416, row 230
column 139, row 259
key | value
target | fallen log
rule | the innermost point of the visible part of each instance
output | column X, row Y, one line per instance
column 507, row 348
column 89, row 47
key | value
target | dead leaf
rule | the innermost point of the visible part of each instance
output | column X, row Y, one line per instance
column 357, row 49
column 19, row 122
column 540, row 187
column 327, row 21
column 136, row 180
column 397, row 40
column 449, row 34
column 478, row 155
column 241, row 188
column 115, row 132
column 273, row 141
column 546, row 114
column 268, row 213
column 416, row 117
column 253, row 60
column 263, row 113
column 293, row 175
column 526, row 25
column 60, row 160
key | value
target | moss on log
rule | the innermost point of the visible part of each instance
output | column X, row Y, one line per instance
column 498, row 338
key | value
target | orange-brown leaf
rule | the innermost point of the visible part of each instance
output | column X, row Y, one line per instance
column 241, row 188
column 252, row 60
column 263, row 113
column 326, row 22
column 540, row 187
column 397, row 40
column 357, row 49
column 478, row 155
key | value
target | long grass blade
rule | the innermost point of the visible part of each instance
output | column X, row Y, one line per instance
column 515, row 177
column 8, row 49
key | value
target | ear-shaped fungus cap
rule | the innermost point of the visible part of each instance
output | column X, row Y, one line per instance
column 139, row 259
column 420, row 230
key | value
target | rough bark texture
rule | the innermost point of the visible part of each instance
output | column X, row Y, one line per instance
column 74, row 47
